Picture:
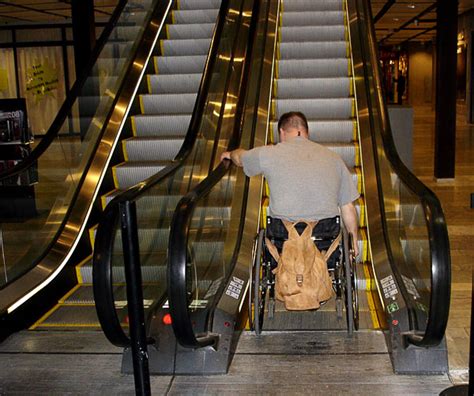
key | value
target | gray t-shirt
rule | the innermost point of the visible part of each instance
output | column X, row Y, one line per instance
column 307, row 180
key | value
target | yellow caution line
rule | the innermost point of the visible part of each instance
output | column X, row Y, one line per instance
column 103, row 199
column 173, row 18
column 275, row 88
column 155, row 63
column 78, row 269
column 44, row 317
column 277, row 62
column 365, row 244
column 51, row 325
column 274, row 108
column 353, row 108
column 167, row 31
column 177, row 5
column 370, row 300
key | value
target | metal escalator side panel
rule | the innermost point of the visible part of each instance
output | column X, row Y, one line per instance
column 53, row 260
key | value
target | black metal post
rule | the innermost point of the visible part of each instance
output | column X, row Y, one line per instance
column 136, row 312
column 83, row 29
column 445, row 126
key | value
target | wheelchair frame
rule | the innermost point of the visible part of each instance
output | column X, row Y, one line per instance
column 344, row 280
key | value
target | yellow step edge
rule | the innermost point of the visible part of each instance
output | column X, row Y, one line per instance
column 167, row 31
column 278, row 54
column 78, row 269
column 273, row 108
column 370, row 298
column 134, row 125
column 359, row 179
column 124, row 149
column 92, row 231
column 349, row 67
column 155, row 63
column 68, row 294
column 44, row 317
column 353, row 108
column 114, row 176
column 276, row 71
column 148, row 83
column 351, row 86
column 103, row 199
column 275, row 89
column 77, row 304
column 173, row 18
column 140, row 97
column 162, row 47
column 355, row 134
column 178, row 6
column 365, row 244
column 357, row 154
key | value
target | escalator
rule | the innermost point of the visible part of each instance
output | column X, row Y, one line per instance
column 152, row 95
column 319, row 58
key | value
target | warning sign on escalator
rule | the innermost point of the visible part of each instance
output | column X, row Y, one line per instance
column 389, row 287
column 235, row 287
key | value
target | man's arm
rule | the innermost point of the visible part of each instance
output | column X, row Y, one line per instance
column 351, row 221
column 235, row 156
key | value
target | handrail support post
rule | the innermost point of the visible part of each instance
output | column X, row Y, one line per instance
column 136, row 311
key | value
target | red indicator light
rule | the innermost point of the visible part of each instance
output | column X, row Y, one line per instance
column 395, row 322
column 167, row 319
column 227, row 324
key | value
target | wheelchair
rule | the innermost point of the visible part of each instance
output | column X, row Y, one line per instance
column 341, row 267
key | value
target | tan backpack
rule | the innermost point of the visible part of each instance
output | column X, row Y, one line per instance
column 302, row 280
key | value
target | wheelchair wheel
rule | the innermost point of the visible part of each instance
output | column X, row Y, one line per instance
column 354, row 284
column 350, row 275
column 258, row 288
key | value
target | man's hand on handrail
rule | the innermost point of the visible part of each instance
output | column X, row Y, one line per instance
column 234, row 156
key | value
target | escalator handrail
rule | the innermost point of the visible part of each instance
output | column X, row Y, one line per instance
column 181, row 221
column 434, row 217
column 70, row 100
column 102, row 258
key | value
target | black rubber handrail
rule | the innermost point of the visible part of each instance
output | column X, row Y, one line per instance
column 181, row 221
column 102, row 259
column 68, row 103
column 434, row 217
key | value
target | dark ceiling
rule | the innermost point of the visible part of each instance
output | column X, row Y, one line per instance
column 402, row 20
column 41, row 11
column 405, row 20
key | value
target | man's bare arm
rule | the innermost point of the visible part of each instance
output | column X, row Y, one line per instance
column 351, row 221
column 234, row 156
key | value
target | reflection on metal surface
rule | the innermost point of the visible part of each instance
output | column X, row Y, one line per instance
column 57, row 255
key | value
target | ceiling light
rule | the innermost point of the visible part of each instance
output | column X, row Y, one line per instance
column 411, row 5
column 396, row 19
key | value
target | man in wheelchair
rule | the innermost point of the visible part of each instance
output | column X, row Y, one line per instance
column 307, row 182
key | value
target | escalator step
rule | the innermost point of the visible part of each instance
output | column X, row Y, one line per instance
column 313, row 33
column 151, row 148
column 181, row 64
column 129, row 174
column 320, row 18
column 186, row 47
column 313, row 50
column 313, row 88
column 316, row 108
column 195, row 16
column 199, row 4
column 190, row 31
column 174, row 83
column 168, row 103
column 312, row 5
column 328, row 131
column 168, row 125
column 313, row 68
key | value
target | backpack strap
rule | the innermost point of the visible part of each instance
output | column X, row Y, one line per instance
column 333, row 247
column 272, row 249
column 292, row 233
